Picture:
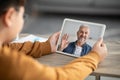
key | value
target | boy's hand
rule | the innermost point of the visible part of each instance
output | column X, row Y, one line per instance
column 100, row 48
column 53, row 39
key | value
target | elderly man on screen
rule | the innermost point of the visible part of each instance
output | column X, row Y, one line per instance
column 78, row 47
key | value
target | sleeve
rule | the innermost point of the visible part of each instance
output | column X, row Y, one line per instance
column 21, row 67
column 35, row 49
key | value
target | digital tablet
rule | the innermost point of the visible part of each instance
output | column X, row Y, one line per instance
column 89, row 32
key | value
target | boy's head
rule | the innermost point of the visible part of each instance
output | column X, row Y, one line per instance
column 11, row 19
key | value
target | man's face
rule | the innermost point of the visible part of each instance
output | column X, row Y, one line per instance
column 83, row 34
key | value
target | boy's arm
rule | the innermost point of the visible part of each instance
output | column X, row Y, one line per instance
column 17, row 66
column 35, row 49
column 80, row 68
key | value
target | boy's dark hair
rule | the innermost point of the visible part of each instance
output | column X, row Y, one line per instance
column 6, row 4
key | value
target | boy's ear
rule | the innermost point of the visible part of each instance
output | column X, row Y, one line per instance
column 8, row 17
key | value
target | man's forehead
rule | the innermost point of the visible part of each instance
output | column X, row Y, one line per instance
column 84, row 27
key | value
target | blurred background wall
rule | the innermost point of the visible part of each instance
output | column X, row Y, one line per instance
column 78, row 6
column 46, row 16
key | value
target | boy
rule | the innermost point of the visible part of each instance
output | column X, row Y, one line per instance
column 15, row 65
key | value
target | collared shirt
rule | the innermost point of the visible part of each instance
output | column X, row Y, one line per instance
column 71, row 48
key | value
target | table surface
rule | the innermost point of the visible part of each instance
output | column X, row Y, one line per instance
column 109, row 67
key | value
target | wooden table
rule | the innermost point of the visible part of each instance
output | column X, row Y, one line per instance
column 110, row 67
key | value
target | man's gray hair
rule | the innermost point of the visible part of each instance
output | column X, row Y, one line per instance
column 84, row 25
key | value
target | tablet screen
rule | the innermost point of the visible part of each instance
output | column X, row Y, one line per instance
column 78, row 37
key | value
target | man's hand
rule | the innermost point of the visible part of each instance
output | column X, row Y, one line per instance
column 53, row 39
column 64, row 42
column 100, row 48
